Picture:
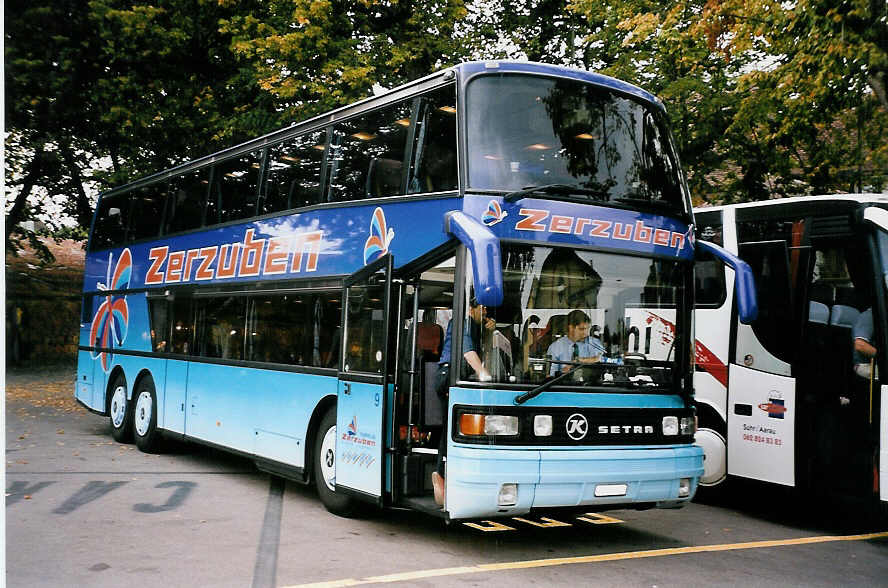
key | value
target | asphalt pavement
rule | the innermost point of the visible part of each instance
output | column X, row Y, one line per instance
column 84, row 510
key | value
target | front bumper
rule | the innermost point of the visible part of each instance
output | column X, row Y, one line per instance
column 567, row 478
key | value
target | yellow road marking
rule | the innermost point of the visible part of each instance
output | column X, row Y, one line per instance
column 489, row 526
column 547, row 522
column 539, row 563
column 598, row 519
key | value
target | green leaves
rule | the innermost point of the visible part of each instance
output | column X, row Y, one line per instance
column 767, row 98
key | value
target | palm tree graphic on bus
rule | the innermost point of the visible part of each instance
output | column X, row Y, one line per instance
column 111, row 321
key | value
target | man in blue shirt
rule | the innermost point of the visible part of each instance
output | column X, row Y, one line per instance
column 576, row 346
column 471, row 348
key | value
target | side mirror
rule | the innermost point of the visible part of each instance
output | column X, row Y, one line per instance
column 744, row 284
column 485, row 250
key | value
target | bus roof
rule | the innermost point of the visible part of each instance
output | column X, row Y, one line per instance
column 465, row 70
column 803, row 202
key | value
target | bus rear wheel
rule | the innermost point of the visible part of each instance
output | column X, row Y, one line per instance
column 119, row 412
column 145, row 417
column 325, row 468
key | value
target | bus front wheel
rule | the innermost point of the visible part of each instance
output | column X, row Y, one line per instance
column 145, row 417
column 712, row 437
column 119, row 412
column 325, row 468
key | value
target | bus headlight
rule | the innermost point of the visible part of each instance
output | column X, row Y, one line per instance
column 542, row 425
column 688, row 425
column 487, row 424
column 670, row 425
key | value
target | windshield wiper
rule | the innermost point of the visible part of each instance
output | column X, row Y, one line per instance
column 524, row 397
column 555, row 189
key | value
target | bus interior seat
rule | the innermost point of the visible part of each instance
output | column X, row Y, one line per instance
column 843, row 316
column 556, row 327
column 818, row 313
column 429, row 340
column 383, row 177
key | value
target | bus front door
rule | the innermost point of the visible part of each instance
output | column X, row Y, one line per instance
column 363, row 383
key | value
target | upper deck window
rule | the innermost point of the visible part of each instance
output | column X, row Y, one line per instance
column 293, row 173
column 526, row 131
column 367, row 154
column 233, row 189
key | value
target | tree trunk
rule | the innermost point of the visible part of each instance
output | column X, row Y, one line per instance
column 878, row 87
column 82, row 206
column 17, row 212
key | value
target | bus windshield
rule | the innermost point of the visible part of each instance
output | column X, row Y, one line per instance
column 616, row 314
column 526, row 131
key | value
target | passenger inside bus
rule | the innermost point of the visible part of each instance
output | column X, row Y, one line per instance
column 472, row 332
column 429, row 336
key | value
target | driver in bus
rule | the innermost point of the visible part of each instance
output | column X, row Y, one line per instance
column 471, row 359
column 576, row 346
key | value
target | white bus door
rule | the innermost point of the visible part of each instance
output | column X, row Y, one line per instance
column 761, row 407
column 761, row 425
column 363, row 379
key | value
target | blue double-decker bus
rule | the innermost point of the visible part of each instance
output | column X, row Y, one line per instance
column 298, row 299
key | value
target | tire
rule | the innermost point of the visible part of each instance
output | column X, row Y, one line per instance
column 712, row 437
column 145, row 417
column 119, row 412
column 324, row 464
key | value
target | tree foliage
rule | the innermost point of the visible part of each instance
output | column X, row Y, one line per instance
column 314, row 55
column 766, row 98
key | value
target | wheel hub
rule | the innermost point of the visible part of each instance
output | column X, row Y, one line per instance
column 118, row 406
column 328, row 458
column 143, row 413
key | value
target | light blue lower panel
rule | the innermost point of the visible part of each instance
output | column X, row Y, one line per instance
column 84, row 389
column 565, row 478
column 569, row 478
column 261, row 412
column 474, row 477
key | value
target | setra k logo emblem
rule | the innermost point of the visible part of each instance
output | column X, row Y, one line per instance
column 577, row 426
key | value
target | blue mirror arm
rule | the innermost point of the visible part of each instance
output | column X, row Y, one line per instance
column 744, row 284
column 486, row 259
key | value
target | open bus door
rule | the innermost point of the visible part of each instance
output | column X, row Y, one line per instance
column 762, row 404
column 364, row 383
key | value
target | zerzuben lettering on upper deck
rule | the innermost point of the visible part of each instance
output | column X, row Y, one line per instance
column 251, row 257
